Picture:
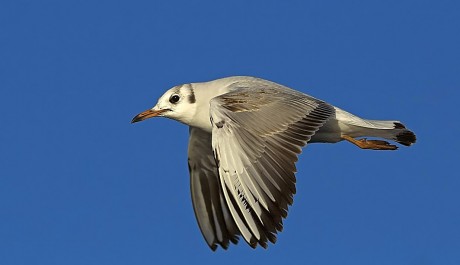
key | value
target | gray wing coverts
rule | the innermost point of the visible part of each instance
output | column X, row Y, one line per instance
column 258, row 131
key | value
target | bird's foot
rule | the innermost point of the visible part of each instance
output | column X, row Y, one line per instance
column 370, row 144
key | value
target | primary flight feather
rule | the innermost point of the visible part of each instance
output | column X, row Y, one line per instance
column 245, row 136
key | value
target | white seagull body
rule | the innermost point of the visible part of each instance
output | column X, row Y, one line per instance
column 245, row 136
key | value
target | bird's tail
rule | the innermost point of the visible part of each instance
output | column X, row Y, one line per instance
column 391, row 130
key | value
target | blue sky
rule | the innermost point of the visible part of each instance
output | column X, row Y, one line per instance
column 79, row 184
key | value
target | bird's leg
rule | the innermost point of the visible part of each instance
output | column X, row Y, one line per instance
column 370, row 144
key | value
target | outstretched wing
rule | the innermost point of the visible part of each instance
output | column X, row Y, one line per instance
column 258, row 130
column 212, row 214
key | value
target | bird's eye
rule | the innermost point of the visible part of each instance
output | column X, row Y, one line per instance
column 174, row 99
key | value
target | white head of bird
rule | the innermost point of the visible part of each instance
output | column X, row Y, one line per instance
column 177, row 103
column 189, row 103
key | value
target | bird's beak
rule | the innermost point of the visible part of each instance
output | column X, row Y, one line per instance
column 147, row 114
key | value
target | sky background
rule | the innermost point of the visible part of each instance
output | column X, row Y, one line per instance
column 81, row 185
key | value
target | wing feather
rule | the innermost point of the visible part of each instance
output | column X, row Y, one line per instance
column 214, row 219
column 258, row 131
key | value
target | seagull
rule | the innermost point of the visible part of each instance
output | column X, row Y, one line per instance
column 245, row 137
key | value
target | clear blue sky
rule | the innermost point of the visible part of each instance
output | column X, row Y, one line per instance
column 80, row 185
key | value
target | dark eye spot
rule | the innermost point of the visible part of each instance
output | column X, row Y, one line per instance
column 174, row 99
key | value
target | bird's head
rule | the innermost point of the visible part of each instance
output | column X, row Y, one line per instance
column 177, row 103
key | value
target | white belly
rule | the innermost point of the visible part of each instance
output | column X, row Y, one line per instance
column 328, row 133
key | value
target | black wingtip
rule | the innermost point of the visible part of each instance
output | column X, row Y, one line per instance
column 406, row 138
column 399, row 125
column 213, row 247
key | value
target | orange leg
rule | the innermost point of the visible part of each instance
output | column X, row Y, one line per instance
column 370, row 144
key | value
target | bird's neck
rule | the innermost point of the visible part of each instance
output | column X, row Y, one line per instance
column 204, row 93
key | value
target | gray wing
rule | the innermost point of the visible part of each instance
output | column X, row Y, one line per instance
column 212, row 214
column 258, row 130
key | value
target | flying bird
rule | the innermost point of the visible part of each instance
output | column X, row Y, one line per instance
column 245, row 136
